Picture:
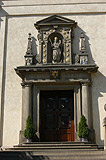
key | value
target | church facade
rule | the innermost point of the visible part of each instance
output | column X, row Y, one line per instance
column 53, row 69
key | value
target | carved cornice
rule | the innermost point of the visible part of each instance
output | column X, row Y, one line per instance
column 25, row 70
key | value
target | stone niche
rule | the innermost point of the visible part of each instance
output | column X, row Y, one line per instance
column 56, row 68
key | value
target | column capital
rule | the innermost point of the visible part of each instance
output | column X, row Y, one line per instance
column 86, row 83
column 26, row 84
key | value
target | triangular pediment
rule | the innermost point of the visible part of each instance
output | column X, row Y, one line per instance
column 55, row 20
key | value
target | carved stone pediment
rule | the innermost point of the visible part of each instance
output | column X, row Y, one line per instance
column 55, row 20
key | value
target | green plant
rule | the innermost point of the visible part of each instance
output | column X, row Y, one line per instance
column 29, row 131
column 83, row 128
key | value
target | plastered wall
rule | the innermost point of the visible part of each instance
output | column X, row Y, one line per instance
column 17, row 19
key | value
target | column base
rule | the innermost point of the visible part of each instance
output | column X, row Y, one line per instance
column 91, row 137
column 22, row 139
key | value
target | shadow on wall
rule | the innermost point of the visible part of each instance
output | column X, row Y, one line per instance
column 34, row 49
column 76, row 43
column 98, row 87
column 99, row 81
column 1, row 11
column 3, row 14
column 21, row 156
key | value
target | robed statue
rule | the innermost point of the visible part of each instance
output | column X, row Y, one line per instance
column 56, row 50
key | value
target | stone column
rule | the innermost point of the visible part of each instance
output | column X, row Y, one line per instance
column 36, row 121
column 26, row 108
column 87, row 108
column 85, row 101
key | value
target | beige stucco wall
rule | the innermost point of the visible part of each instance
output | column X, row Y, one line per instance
column 17, row 20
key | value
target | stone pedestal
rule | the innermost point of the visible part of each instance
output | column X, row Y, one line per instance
column 26, row 109
column 104, row 125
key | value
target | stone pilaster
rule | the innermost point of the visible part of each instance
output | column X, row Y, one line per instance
column 26, row 108
column 85, row 101
column 87, row 108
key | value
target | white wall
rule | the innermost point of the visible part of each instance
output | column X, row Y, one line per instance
column 17, row 20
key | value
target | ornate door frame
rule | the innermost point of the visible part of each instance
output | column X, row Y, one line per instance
column 36, row 103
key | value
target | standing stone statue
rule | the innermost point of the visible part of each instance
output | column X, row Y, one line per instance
column 56, row 48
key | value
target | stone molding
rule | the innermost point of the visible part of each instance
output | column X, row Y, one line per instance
column 86, row 83
column 26, row 84
column 24, row 10
column 22, row 70
column 37, row 2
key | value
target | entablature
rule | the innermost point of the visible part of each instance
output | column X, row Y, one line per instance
column 59, row 71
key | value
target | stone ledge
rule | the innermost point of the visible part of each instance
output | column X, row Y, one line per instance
column 37, row 2
column 43, row 72
column 53, row 9
column 89, row 67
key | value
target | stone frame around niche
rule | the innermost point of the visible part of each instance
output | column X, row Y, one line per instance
column 55, row 26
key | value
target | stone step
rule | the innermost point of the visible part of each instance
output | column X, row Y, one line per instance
column 57, row 151
column 53, row 146
column 55, row 143
column 58, row 146
column 70, row 152
column 60, row 152
column 74, row 155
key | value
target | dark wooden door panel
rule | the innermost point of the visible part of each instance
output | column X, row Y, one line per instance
column 50, row 136
column 64, row 136
column 57, row 116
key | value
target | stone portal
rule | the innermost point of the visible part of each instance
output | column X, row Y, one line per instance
column 56, row 83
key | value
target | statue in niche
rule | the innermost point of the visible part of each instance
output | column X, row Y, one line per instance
column 56, row 50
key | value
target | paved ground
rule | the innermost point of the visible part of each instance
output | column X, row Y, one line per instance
column 73, row 155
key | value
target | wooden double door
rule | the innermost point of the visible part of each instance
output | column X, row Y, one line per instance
column 56, row 116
